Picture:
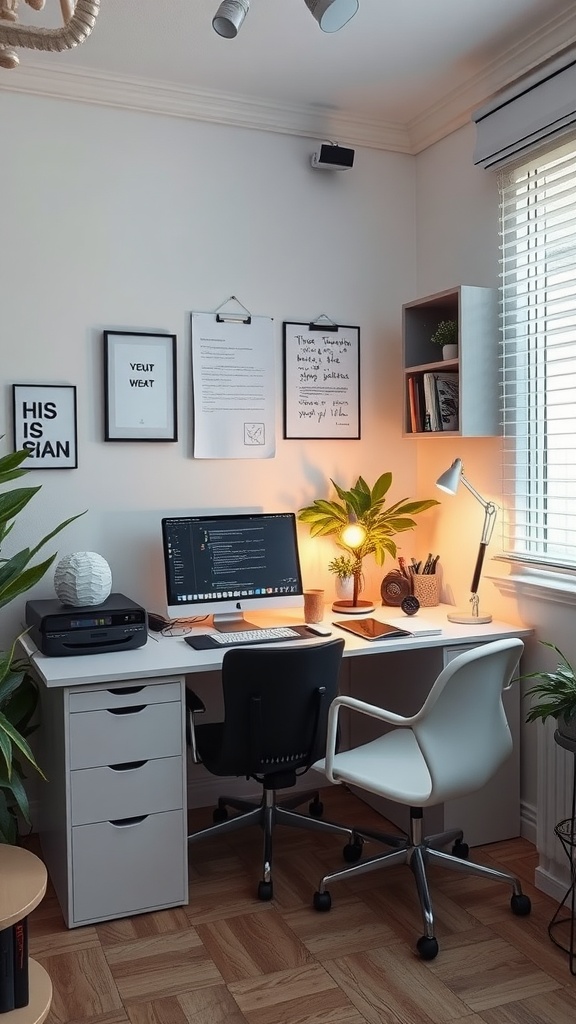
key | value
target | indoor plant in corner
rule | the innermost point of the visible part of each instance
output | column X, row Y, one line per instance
column 554, row 695
column 18, row 690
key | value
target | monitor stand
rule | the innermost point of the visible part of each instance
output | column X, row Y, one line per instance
column 231, row 622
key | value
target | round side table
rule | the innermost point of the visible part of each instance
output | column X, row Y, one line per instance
column 566, row 832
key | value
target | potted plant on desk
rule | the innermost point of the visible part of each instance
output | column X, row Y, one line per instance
column 554, row 695
column 18, row 690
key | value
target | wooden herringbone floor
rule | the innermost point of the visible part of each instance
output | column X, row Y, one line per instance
column 227, row 958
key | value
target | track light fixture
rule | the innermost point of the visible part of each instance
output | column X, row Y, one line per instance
column 229, row 17
column 331, row 15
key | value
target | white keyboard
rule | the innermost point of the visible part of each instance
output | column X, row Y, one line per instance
column 254, row 636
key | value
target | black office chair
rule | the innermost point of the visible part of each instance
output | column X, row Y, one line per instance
column 276, row 702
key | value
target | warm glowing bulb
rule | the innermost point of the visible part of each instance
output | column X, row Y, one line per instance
column 353, row 535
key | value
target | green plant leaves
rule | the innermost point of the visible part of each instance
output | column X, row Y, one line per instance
column 326, row 518
column 555, row 691
column 18, row 690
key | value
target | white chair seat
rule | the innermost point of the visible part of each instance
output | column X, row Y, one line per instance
column 391, row 766
column 449, row 748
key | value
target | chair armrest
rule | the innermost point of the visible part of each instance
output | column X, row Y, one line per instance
column 362, row 708
column 194, row 706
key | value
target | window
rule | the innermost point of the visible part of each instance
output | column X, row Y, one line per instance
column 538, row 277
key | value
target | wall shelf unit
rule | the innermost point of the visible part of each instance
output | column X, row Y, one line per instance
column 23, row 880
column 474, row 371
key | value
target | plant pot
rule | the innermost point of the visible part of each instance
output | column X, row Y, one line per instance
column 450, row 352
column 344, row 588
column 567, row 729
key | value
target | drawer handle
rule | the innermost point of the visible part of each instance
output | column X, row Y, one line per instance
column 127, row 689
column 128, row 822
column 127, row 711
column 128, row 766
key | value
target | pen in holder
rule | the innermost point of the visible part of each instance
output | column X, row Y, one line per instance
column 426, row 587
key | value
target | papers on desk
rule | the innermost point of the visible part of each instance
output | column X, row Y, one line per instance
column 415, row 625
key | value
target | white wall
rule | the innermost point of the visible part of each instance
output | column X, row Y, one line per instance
column 115, row 219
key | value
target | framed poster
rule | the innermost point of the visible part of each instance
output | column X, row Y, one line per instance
column 45, row 424
column 321, row 380
column 140, row 386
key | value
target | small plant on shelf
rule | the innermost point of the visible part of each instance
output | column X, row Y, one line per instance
column 446, row 333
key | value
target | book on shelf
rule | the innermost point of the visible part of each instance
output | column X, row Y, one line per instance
column 441, row 400
column 20, row 945
column 6, row 970
column 447, row 392
column 14, row 981
column 432, row 421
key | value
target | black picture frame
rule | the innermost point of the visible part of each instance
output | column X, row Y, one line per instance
column 321, row 381
column 140, row 378
column 45, row 423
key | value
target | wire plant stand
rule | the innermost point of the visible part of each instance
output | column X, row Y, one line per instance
column 564, row 917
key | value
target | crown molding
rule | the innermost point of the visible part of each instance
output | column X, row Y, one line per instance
column 349, row 127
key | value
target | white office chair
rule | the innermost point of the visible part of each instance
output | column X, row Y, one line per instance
column 451, row 747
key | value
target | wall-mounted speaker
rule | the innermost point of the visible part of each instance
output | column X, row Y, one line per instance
column 332, row 158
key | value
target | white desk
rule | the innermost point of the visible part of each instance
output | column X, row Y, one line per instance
column 113, row 814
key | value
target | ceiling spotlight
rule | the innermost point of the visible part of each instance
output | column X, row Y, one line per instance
column 332, row 15
column 229, row 17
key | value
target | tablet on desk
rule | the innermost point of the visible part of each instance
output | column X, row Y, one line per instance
column 371, row 629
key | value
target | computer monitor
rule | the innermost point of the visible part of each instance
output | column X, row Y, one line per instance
column 224, row 565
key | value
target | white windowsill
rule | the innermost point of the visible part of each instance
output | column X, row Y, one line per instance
column 545, row 584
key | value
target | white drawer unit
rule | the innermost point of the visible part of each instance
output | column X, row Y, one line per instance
column 114, row 821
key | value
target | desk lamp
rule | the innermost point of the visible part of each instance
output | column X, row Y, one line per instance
column 353, row 536
column 449, row 482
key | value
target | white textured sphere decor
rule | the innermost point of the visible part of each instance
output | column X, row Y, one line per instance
column 83, row 578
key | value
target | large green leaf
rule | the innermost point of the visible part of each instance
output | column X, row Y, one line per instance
column 24, row 581
column 12, row 502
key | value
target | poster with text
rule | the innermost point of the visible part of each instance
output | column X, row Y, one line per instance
column 321, row 381
column 234, row 387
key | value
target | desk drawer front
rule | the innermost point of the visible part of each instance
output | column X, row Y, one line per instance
column 100, row 738
column 103, row 794
column 123, row 696
column 128, row 867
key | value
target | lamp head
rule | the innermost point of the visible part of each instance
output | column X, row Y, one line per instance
column 229, row 17
column 332, row 15
column 450, row 479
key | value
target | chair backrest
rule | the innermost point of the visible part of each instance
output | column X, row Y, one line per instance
column 276, row 703
column 462, row 728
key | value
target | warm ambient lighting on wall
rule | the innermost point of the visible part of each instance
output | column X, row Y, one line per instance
column 449, row 482
column 331, row 15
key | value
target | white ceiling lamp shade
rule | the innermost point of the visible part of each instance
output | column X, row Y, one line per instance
column 229, row 17
column 332, row 15
column 78, row 17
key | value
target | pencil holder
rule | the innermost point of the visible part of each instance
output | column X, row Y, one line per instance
column 427, row 589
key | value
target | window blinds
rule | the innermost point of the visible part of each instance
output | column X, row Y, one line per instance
column 538, row 373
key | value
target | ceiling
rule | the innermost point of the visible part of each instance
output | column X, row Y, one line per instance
column 398, row 76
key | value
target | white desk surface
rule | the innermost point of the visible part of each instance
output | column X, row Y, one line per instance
column 162, row 656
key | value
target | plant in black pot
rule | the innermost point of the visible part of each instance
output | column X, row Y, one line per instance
column 18, row 689
column 554, row 695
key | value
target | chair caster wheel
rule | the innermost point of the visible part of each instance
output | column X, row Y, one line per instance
column 265, row 891
column 352, row 851
column 427, row 948
column 461, row 850
column 521, row 905
column 322, row 901
column 219, row 814
column 316, row 808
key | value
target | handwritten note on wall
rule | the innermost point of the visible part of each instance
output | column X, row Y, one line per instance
column 321, row 381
